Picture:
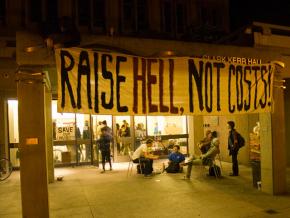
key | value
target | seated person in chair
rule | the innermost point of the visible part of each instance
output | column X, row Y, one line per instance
column 204, row 144
column 143, row 155
column 176, row 160
column 204, row 159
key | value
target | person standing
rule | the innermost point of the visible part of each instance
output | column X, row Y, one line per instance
column 233, row 147
column 104, row 146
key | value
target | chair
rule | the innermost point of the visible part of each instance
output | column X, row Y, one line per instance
column 211, row 163
column 131, row 164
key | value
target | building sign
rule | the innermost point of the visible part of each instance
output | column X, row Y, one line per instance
column 111, row 83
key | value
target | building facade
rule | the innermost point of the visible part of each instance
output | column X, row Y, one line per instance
column 31, row 30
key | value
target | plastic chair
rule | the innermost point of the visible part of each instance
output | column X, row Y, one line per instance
column 131, row 164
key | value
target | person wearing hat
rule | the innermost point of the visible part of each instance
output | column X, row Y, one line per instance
column 142, row 154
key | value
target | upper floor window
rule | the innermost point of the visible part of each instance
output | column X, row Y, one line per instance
column 134, row 16
column 2, row 11
column 99, row 14
column 180, row 17
column 35, row 10
column 83, row 7
column 142, row 15
column 167, row 15
column 173, row 16
column 52, row 10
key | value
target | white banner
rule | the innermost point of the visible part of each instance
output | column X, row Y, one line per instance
column 111, row 83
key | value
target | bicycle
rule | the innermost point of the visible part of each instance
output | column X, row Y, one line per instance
column 5, row 169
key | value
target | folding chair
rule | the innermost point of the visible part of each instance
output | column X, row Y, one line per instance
column 131, row 164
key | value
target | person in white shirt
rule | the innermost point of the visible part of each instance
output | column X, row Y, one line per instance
column 143, row 155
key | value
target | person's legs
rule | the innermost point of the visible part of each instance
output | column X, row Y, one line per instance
column 194, row 161
column 109, row 158
column 103, row 159
column 147, row 165
column 235, row 166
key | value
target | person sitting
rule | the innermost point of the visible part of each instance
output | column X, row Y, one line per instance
column 142, row 155
column 204, row 144
column 204, row 159
column 176, row 160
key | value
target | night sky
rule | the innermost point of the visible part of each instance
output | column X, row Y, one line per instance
column 243, row 12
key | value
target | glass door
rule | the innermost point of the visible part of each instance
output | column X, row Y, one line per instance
column 98, row 122
column 64, row 137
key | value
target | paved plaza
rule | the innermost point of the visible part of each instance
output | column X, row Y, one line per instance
column 85, row 192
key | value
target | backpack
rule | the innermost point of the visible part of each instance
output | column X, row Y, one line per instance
column 214, row 170
column 241, row 140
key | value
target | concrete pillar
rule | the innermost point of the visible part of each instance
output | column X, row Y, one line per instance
column 49, row 137
column 196, row 133
column 273, row 149
column 31, row 91
column 3, row 126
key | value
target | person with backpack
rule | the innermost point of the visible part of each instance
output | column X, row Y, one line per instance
column 235, row 142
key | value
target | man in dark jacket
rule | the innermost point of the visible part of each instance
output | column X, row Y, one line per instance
column 104, row 146
column 233, row 148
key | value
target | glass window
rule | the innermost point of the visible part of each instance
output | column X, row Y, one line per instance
column 180, row 15
column 97, row 124
column 64, row 132
column 99, row 13
column 142, row 15
column 2, row 11
column 166, row 125
column 167, row 16
column 83, row 12
column 63, row 124
column 36, row 10
column 83, row 134
column 13, row 121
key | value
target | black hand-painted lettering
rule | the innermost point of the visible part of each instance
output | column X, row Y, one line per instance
column 96, row 69
column 151, row 79
column 192, row 71
column 107, row 75
column 247, row 71
column 263, row 72
column 119, row 80
column 64, row 77
column 218, row 66
column 173, row 109
column 84, row 70
column 163, row 108
column 270, row 71
column 231, row 71
column 255, row 69
column 239, row 87
column 208, row 70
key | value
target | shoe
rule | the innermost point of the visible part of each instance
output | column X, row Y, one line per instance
column 148, row 175
column 103, row 171
column 186, row 178
column 232, row 174
column 111, row 169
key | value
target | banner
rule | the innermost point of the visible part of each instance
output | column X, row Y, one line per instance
column 110, row 83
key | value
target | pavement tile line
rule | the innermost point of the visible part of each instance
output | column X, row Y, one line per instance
column 84, row 192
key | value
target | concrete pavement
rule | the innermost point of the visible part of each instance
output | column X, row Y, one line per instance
column 85, row 192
